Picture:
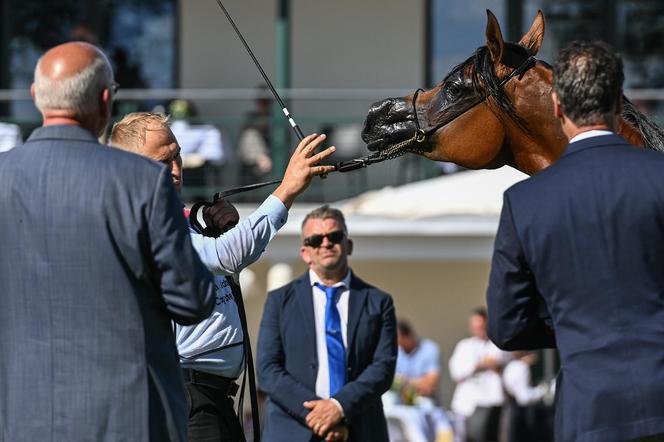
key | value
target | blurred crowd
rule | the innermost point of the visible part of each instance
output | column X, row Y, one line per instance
column 495, row 398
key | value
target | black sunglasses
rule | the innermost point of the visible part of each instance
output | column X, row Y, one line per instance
column 114, row 88
column 316, row 240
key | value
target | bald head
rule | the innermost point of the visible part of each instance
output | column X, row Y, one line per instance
column 73, row 80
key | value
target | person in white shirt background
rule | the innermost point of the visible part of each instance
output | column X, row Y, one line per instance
column 527, row 414
column 475, row 365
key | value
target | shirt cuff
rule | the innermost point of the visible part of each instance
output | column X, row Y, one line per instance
column 275, row 211
column 341, row 409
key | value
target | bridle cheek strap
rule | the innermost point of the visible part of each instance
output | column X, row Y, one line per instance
column 421, row 135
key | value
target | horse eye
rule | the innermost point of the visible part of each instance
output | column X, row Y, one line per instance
column 453, row 90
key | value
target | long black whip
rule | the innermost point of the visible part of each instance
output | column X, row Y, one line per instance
column 343, row 166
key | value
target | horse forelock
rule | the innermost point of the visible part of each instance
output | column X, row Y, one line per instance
column 487, row 81
column 480, row 69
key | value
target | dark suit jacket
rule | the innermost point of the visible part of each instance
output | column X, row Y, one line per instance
column 287, row 361
column 95, row 261
column 587, row 235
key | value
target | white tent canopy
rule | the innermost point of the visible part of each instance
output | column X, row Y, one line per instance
column 478, row 192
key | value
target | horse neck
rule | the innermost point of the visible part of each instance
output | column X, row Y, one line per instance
column 544, row 142
column 630, row 133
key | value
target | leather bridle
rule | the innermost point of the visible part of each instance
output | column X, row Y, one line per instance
column 422, row 135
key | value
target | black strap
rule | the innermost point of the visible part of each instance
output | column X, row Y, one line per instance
column 248, row 364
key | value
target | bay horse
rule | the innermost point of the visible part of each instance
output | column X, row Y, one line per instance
column 493, row 109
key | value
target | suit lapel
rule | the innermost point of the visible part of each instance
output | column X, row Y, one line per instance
column 356, row 299
column 306, row 302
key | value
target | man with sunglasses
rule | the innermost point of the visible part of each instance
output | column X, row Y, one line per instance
column 327, row 345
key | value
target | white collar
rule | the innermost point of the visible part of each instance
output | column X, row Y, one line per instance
column 590, row 134
column 313, row 278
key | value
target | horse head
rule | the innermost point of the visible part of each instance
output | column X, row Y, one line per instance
column 493, row 109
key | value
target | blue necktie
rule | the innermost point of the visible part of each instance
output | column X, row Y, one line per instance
column 336, row 353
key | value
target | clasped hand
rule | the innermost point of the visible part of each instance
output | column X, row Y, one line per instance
column 324, row 419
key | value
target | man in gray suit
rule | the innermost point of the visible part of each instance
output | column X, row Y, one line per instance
column 95, row 262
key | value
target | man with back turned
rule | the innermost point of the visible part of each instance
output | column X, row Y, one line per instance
column 586, row 235
column 96, row 262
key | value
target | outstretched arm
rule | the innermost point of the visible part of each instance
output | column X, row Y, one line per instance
column 244, row 244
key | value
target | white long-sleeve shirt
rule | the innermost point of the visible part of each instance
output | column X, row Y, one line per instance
column 516, row 379
column 475, row 389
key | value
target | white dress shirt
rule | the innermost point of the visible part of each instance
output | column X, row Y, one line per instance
column 516, row 378
column 475, row 389
column 320, row 300
column 590, row 134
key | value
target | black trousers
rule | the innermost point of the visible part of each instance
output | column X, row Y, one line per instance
column 211, row 415
column 482, row 425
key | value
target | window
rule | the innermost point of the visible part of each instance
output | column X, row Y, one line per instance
column 138, row 36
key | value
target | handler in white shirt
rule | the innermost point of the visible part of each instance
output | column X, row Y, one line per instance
column 475, row 366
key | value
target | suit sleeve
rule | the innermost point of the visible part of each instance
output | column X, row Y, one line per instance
column 513, row 299
column 273, row 378
column 377, row 377
column 186, row 285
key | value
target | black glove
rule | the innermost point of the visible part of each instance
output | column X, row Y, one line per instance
column 213, row 219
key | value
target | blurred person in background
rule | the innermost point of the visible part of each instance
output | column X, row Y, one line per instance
column 10, row 136
column 525, row 416
column 96, row 262
column 253, row 148
column 213, row 352
column 416, row 382
column 327, row 345
column 201, row 144
column 418, row 364
column 476, row 366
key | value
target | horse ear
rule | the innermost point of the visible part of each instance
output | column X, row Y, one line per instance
column 532, row 40
column 494, row 38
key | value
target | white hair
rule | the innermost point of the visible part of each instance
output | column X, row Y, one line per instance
column 78, row 93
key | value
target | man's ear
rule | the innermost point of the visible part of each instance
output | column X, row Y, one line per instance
column 350, row 246
column 106, row 102
column 304, row 254
column 32, row 91
column 557, row 111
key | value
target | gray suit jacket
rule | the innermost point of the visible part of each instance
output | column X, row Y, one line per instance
column 95, row 261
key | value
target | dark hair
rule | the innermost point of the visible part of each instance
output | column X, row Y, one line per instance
column 325, row 212
column 588, row 79
column 479, row 311
column 404, row 327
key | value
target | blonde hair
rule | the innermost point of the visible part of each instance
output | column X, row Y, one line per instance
column 129, row 133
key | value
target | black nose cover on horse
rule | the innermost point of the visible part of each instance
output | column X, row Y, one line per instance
column 388, row 122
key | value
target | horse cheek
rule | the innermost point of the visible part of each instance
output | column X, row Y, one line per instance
column 474, row 140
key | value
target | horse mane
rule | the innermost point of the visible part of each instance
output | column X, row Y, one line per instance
column 486, row 83
column 653, row 135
